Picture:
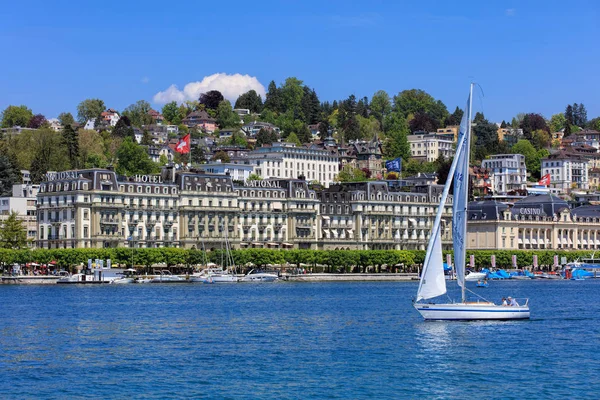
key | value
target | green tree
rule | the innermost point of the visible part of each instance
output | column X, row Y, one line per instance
column 323, row 129
column 238, row 139
column 369, row 127
column 88, row 109
column 133, row 159
column 71, row 142
column 9, row 175
column 540, row 139
column 138, row 113
column 46, row 152
column 410, row 102
column 532, row 156
column 226, row 118
column 16, row 116
column 274, row 100
column 292, row 93
column 221, row 155
column 455, row 118
column 413, row 167
column 265, row 136
column 351, row 174
column 396, row 141
column 254, row 177
column 171, row 113
column 66, row 118
column 93, row 148
column 293, row 138
column 198, row 155
column 381, row 106
column 250, row 100
column 163, row 160
column 486, row 139
column 146, row 138
column 123, row 128
column 594, row 124
column 557, row 122
column 211, row 99
column 12, row 233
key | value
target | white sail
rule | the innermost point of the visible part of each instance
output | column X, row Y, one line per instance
column 433, row 281
column 461, row 196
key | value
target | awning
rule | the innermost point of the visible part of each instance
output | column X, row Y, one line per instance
column 597, row 241
column 272, row 244
column 243, row 244
column 325, row 217
column 526, row 240
column 520, row 241
column 257, row 244
column 287, row 244
column 585, row 241
column 533, row 241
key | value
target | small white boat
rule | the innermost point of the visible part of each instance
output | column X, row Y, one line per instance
column 214, row 275
column 475, row 276
column 433, row 282
column 166, row 277
column 126, row 278
column 256, row 275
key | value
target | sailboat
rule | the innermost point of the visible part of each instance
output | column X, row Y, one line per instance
column 433, row 283
column 219, row 275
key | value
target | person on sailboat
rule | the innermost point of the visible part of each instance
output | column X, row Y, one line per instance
column 513, row 302
column 504, row 303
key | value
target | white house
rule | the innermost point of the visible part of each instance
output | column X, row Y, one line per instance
column 238, row 172
column 507, row 172
column 567, row 171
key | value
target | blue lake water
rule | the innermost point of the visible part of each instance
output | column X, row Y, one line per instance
column 292, row 340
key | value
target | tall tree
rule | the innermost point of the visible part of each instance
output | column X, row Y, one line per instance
column 133, row 159
column 9, row 175
column 557, row 122
column 198, row 155
column 396, row 143
column 292, row 92
column 13, row 234
column 273, row 99
column 423, row 121
column 265, row 136
column 293, row 138
column 569, row 115
column 138, row 113
column 226, row 118
column 123, row 128
column 66, row 118
column 251, row 101
column 71, row 142
column 532, row 156
column 89, row 109
column 146, row 138
column 532, row 122
column 381, row 106
column 323, row 129
column 579, row 115
column 362, row 107
column 486, row 139
column 479, row 118
column 412, row 101
column 211, row 99
column 455, row 118
column 16, row 116
column 47, row 153
column 171, row 113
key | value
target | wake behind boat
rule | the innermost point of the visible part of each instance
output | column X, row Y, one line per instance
column 433, row 282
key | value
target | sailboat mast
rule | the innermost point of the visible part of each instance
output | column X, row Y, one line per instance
column 468, row 155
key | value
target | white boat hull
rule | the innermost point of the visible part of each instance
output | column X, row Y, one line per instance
column 471, row 311
column 260, row 278
column 475, row 276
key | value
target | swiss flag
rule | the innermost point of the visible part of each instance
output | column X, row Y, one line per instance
column 183, row 146
column 545, row 180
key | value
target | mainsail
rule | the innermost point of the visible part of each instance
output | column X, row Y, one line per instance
column 433, row 281
column 461, row 196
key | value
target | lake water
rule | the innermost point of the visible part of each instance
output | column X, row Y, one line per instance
column 292, row 340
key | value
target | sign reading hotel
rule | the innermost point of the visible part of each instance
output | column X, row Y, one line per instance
column 148, row 178
column 263, row 184
column 55, row 176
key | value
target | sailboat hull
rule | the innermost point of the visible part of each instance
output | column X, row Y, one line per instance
column 471, row 312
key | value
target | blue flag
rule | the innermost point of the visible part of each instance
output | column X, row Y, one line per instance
column 394, row 165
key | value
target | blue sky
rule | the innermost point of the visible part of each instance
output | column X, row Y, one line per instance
column 529, row 56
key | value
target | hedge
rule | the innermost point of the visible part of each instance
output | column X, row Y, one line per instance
column 329, row 260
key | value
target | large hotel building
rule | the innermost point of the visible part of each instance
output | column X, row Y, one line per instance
column 95, row 208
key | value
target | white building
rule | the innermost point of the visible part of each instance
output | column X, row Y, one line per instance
column 285, row 160
column 55, row 124
column 429, row 146
column 238, row 172
column 567, row 171
column 23, row 202
column 507, row 172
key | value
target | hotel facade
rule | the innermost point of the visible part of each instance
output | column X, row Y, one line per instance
column 96, row 208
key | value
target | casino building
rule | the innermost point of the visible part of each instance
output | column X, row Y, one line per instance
column 535, row 222
column 95, row 208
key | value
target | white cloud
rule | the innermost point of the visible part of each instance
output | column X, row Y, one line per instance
column 231, row 86
column 510, row 12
